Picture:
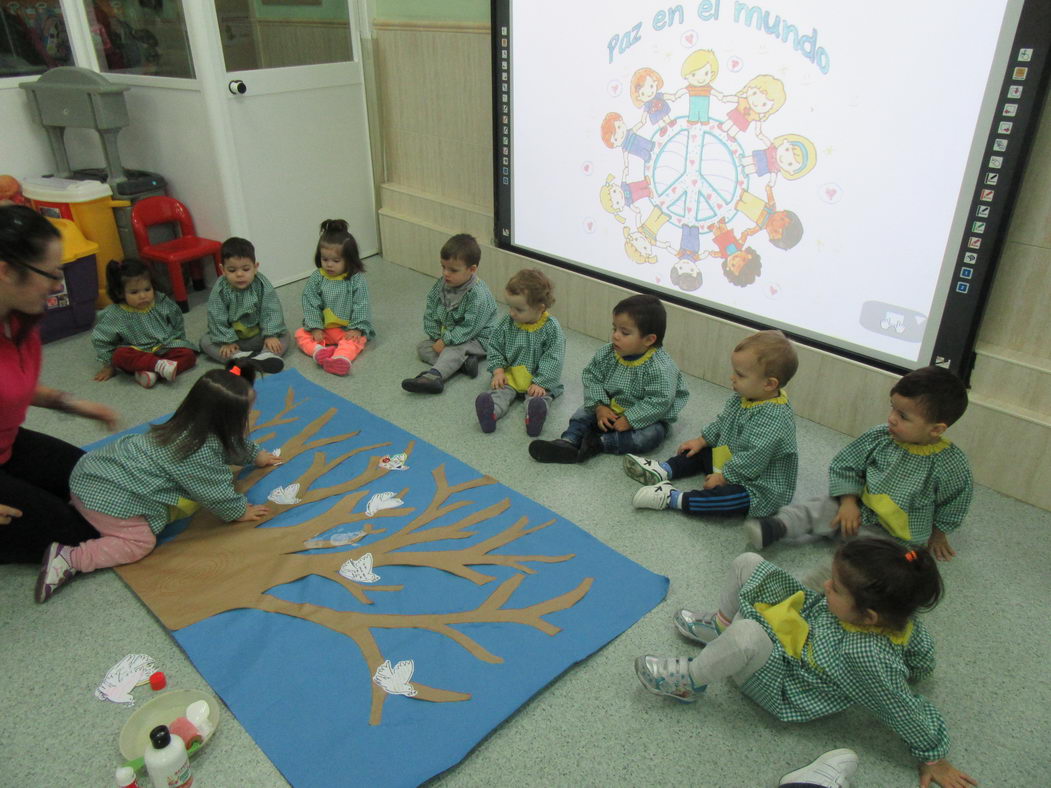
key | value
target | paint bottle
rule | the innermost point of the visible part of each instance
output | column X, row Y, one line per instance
column 166, row 760
column 126, row 778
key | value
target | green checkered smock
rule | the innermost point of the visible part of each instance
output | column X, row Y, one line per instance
column 646, row 390
column 529, row 353
column 337, row 301
column 841, row 666
column 472, row 318
column 159, row 326
column 754, row 445
column 907, row 488
column 240, row 314
column 134, row 476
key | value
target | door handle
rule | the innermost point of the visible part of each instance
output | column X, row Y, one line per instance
column 237, row 87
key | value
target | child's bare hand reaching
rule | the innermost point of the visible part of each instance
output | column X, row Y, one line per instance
column 499, row 379
column 848, row 518
column 265, row 459
column 536, row 391
column 944, row 774
column 254, row 512
column 622, row 424
column 105, row 373
column 272, row 345
column 939, row 546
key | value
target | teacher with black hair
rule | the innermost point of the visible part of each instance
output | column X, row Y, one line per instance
column 34, row 468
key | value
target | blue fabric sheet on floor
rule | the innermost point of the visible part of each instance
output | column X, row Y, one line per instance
column 486, row 635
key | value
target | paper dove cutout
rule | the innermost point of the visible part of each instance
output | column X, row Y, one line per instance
column 340, row 538
column 276, row 452
column 395, row 681
column 285, row 495
column 359, row 569
column 383, row 500
column 122, row 678
column 395, row 462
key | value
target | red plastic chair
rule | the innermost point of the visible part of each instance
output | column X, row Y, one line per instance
column 187, row 248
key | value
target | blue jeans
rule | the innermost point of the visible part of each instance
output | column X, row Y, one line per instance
column 637, row 441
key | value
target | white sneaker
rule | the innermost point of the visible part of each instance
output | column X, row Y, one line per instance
column 831, row 770
column 643, row 470
column 166, row 368
column 655, row 496
column 146, row 379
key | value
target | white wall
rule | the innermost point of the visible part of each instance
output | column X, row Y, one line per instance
column 23, row 144
column 168, row 134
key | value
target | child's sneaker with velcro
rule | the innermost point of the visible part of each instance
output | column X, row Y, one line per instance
column 668, row 676
column 701, row 628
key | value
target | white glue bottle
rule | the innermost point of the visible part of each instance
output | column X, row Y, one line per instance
column 166, row 760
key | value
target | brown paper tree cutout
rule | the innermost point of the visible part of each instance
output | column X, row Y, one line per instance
column 213, row 567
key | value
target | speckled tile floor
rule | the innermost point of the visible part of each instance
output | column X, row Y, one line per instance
column 594, row 725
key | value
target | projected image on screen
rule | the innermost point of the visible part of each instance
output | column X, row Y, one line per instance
column 797, row 164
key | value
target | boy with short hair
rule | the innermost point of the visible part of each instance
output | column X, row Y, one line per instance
column 457, row 320
column 903, row 476
column 633, row 390
column 244, row 314
column 748, row 453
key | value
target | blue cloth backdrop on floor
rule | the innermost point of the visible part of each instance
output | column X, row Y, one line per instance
column 486, row 635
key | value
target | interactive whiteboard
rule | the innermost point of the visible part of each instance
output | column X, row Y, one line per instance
column 802, row 165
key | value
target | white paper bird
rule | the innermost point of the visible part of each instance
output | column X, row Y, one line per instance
column 383, row 500
column 341, row 538
column 285, row 495
column 359, row 569
column 395, row 462
column 126, row 675
column 276, row 452
column 395, row 681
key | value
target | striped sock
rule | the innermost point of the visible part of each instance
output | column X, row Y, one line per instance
column 675, row 501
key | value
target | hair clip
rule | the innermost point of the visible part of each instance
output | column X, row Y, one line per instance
column 910, row 556
column 235, row 370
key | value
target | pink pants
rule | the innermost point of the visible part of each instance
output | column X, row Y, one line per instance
column 129, row 359
column 121, row 541
column 346, row 347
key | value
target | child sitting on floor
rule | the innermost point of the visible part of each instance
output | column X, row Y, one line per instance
column 803, row 655
column 337, row 317
column 748, row 453
column 633, row 390
column 526, row 351
column 457, row 319
column 903, row 477
column 132, row 488
column 142, row 331
column 244, row 314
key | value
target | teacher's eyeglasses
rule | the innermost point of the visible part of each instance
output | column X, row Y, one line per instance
column 43, row 273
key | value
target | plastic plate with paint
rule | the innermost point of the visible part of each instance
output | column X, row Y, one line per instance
column 163, row 709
